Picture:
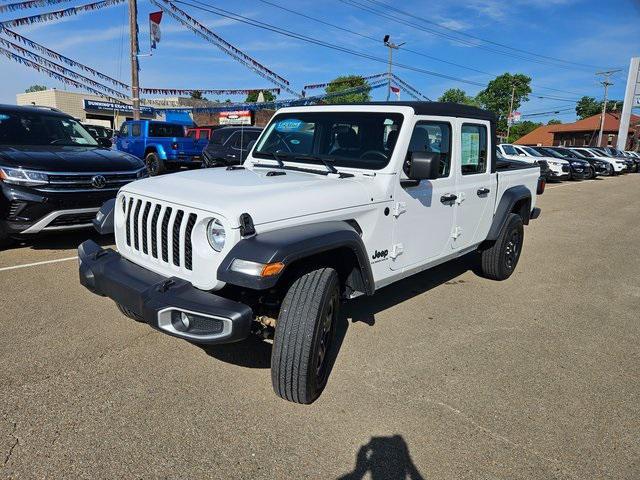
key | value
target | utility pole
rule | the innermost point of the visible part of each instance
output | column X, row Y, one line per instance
column 135, row 85
column 509, row 118
column 606, row 83
column 391, row 46
column 631, row 100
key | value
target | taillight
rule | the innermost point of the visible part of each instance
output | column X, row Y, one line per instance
column 542, row 182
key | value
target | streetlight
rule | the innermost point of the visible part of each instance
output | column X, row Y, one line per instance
column 391, row 46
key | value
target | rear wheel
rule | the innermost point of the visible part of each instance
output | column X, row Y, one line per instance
column 304, row 336
column 155, row 165
column 499, row 261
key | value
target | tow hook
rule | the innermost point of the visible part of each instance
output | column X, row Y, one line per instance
column 166, row 285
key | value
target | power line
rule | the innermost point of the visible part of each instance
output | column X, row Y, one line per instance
column 357, row 4
column 457, row 32
column 281, row 31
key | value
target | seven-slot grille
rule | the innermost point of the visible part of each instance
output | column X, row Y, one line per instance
column 160, row 231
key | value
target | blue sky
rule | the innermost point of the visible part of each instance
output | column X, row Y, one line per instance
column 593, row 32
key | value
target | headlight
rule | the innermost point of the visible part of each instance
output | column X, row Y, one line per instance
column 576, row 164
column 216, row 234
column 18, row 176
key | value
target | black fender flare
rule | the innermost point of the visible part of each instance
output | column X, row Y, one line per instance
column 510, row 198
column 290, row 244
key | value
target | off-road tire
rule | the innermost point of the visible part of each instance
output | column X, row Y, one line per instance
column 155, row 165
column 299, row 369
column 128, row 313
column 500, row 260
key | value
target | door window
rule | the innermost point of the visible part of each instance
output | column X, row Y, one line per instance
column 135, row 130
column 204, row 135
column 474, row 149
column 433, row 137
column 124, row 130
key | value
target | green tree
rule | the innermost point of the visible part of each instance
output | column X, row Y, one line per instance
column 457, row 95
column 520, row 129
column 347, row 82
column 497, row 96
column 197, row 95
column 253, row 96
column 554, row 121
column 589, row 106
column 36, row 88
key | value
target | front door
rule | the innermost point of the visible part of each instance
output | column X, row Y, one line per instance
column 476, row 185
column 425, row 212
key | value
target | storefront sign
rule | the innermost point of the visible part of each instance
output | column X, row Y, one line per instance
column 238, row 117
column 100, row 106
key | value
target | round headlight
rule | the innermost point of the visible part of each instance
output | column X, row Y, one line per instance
column 216, row 234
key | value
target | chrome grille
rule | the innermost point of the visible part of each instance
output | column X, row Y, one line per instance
column 78, row 182
column 160, row 232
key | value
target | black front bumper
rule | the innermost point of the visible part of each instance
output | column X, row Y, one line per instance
column 149, row 296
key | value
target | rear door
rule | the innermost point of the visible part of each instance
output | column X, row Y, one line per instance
column 476, row 185
column 425, row 212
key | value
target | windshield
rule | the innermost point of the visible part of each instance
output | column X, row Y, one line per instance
column 547, row 152
column 165, row 130
column 532, row 152
column 586, row 153
column 509, row 150
column 346, row 139
column 31, row 128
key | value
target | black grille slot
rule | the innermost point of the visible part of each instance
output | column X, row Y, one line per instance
column 188, row 252
column 128, row 225
column 154, row 231
column 176, row 237
column 136, row 213
column 165, row 235
column 145, row 216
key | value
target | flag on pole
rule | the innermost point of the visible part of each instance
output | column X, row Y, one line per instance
column 514, row 117
column 154, row 28
column 396, row 90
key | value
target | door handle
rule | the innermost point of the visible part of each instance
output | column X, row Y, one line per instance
column 483, row 191
column 450, row 197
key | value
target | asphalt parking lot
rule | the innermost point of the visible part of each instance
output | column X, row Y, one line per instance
column 444, row 375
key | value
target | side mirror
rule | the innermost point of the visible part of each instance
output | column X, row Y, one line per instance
column 424, row 166
column 104, row 142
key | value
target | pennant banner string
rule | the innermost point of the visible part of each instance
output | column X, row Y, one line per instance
column 61, row 58
column 196, row 27
column 50, row 16
column 11, row 7
column 189, row 91
column 339, row 82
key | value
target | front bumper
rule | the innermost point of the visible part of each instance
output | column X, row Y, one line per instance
column 154, row 298
column 553, row 175
column 184, row 160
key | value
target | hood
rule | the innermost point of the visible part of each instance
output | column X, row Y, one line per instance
column 68, row 159
column 231, row 193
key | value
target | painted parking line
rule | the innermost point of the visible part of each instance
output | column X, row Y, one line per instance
column 35, row 264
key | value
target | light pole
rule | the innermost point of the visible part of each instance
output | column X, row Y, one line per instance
column 509, row 115
column 391, row 46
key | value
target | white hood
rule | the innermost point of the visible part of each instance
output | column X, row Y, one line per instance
column 230, row 193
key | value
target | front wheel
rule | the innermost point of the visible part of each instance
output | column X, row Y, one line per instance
column 304, row 336
column 155, row 165
column 499, row 261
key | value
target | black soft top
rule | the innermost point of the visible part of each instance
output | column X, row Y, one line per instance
column 33, row 109
column 436, row 108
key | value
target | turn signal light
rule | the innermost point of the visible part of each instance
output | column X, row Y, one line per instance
column 271, row 269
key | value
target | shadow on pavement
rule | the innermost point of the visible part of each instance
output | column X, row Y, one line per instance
column 384, row 458
column 62, row 240
column 256, row 353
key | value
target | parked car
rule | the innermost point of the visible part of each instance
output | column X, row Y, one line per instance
column 600, row 167
column 377, row 196
column 202, row 133
column 99, row 131
column 581, row 168
column 163, row 146
column 229, row 146
column 632, row 165
column 618, row 166
column 53, row 174
column 559, row 169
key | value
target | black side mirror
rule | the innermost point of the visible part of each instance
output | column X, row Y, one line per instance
column 104, row 142
column 424, row 166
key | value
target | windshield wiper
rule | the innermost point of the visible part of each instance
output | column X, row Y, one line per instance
column 325, row 162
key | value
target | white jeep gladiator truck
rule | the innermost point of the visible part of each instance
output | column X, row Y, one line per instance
column 332, row 202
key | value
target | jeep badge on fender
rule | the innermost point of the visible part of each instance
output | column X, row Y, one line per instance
column 313, row 189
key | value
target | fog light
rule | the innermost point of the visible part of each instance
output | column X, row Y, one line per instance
column 180, row 321
column 195, row 324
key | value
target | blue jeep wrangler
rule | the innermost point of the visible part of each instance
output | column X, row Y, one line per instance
column 163, row 146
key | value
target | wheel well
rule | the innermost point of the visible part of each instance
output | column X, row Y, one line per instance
column 149, row 150
column 523, row 208
column 342, row 259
